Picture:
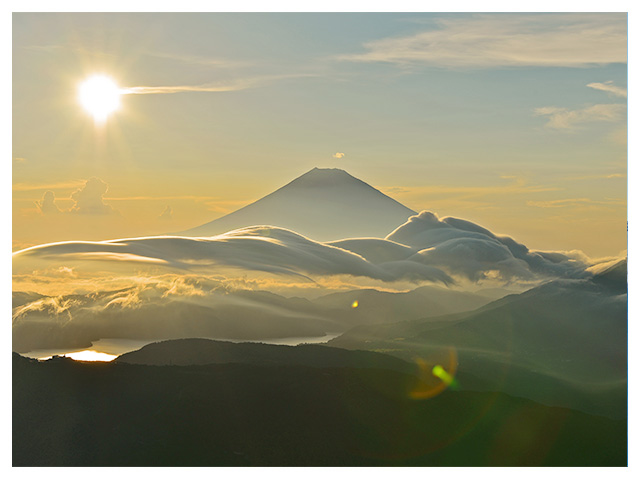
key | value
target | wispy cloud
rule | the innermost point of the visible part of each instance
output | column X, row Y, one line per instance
column 45, row 48
column 185, row 88
column 501, row 40
column 610, row 88
column 604, row 176
column 199, row 60
column 167, row 214
column 516, row 185
column 618, row 136
column 338, row 155
column 232, row 86
column 26, row 187
column 189, row 58
column 575, row 202
column 563, row 118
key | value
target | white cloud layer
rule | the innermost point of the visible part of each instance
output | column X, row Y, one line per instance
column 172, row 287
column 503, row 40
column 424, row 249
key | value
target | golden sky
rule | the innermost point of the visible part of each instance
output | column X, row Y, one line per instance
column 518, row 125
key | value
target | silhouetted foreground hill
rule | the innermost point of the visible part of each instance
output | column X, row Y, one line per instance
column 101, row 414
column 200, row 351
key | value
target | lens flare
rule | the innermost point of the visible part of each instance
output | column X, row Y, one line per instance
column 442, row 374
column 433, row 377
column 355, row 304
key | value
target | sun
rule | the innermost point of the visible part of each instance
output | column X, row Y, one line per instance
column 100, row 96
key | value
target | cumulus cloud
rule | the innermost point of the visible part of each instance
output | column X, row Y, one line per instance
column 166, row 214
column 498, row 40
column 89, row 199
column 609, row 87
column 563, row 118
column 464, row 248
column 47, row 205
column 338, row 155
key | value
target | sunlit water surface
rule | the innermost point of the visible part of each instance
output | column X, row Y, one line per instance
column 106, row 349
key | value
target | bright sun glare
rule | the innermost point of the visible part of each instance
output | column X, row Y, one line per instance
column 100, row 96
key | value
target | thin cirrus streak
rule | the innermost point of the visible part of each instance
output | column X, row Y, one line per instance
column 241, row 84
column 183, row 88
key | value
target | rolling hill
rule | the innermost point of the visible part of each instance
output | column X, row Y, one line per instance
column 563, row 343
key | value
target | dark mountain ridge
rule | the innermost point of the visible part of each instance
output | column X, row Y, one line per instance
column 198, row 351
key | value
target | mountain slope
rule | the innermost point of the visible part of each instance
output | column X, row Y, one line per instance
column 376, row 306
column 324, row 204
column 216, row 313
column 563, row 343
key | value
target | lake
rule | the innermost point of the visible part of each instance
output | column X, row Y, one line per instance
column 106, row 349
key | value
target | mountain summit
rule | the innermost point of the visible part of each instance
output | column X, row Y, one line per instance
column 323, row 204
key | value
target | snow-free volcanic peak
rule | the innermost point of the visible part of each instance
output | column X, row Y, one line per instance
column 324, row 204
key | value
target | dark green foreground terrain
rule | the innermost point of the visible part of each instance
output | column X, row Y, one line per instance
column 100, row 414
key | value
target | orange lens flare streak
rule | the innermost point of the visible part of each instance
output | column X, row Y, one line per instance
column 434, row 378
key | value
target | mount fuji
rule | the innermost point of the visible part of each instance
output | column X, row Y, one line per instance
column 324, row 204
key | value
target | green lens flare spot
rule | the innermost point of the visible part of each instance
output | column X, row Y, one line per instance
column 446, row 377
